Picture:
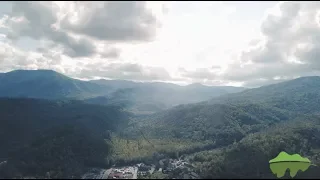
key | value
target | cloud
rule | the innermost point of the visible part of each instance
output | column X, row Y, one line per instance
column 88, row 32
column 201, row 73
column 290, row 46
column 131, row 40
column 123, row 21
column 37, row 20
column 96, row 22
column 128, row 71
column 112, row 53
column 12, row 57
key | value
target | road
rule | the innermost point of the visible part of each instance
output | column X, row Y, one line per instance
column 106, row 173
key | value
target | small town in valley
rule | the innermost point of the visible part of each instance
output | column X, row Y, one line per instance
column 171, row 168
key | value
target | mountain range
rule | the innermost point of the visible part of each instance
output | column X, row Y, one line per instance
column 247, row 111
column 138, row 97
column 54, row 124
column 263, row 121
column 46, row 84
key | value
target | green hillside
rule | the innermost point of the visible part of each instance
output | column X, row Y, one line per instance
column 46, row 84
column 255, row 124
column 250, row 157
column 62, row 137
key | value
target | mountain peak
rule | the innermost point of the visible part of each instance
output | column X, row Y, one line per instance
column 301, row 82
column 44, row 73
column 34, row 71
column 307, row 78
column 196, row 85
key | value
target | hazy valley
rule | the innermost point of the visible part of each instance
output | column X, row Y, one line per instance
column 56, row 125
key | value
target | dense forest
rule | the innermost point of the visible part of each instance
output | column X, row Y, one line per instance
column 62, row 138
column 249, row 157
column 57, row 139
column 234, row 114
column 300, row 95
column 243, row 130
column 219, row 122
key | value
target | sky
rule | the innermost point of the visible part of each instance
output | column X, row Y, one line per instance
column 216, row 43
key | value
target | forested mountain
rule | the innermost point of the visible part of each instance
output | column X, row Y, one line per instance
column 262, row 121
column 249, row 158
column 301, row 94
column 46, row 84
column 245, row 110
column 148, row 98
column 61, row 138
column 134, row 96
column 222, row 123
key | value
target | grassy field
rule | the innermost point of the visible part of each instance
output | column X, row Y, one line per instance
column 127, row 149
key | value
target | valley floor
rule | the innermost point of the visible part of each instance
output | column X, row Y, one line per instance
column 168, row 169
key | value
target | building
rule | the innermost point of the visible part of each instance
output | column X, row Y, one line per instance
column 115, row 176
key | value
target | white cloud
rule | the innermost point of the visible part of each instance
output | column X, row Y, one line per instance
column 290, row 46
column 127, row 71
column 246, row 43
column 112, row 20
